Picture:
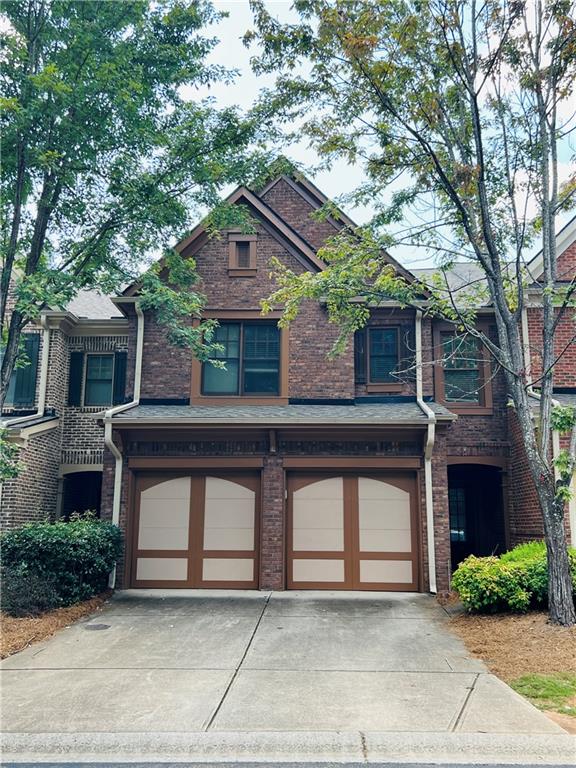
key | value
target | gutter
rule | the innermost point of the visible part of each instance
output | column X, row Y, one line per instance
column 428, row 450
column 108, row 439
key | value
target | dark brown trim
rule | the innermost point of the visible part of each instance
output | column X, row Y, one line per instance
column 162, row 462
column 353, row 463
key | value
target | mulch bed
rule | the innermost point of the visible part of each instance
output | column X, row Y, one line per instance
column 18, row 634
column 516, row 645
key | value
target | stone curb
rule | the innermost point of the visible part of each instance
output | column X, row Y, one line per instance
column 302, row 746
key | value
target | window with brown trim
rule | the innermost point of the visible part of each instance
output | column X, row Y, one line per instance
column 250, row 356
column 462, row 373
column 377, row 356
column 241, row 255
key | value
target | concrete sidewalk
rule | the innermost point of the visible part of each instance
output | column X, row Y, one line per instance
column 334, row 672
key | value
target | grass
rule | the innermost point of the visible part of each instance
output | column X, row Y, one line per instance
column 553, row 692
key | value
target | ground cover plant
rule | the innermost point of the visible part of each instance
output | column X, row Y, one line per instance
column 51, row 565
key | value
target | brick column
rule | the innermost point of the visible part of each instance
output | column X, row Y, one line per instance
column 272, row 544
column 441, row 514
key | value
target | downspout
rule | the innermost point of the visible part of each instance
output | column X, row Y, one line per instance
column 430, row 437
column 108, row 439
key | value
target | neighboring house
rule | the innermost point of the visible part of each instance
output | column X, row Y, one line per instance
column 377, row 469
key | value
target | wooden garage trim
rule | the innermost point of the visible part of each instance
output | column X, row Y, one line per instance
column 166, row 463
column 353, row 464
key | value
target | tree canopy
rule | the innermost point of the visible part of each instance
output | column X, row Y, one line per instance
column 108, row 152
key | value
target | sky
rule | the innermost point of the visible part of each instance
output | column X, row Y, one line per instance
column 342, row 178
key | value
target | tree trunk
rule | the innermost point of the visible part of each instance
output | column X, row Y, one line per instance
column 560, row 598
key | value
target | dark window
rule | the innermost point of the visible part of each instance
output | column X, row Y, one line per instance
column 242, row 255
column 251, row 356
column 461, row 362
column 376, row 355
column 22, row 387
column 99, row 377
column 457, row 507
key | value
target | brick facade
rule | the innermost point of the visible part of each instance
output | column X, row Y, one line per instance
column 77, row 439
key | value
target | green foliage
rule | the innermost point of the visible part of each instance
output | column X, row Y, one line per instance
column 10, row 464
column 554, row 692
column 563, row 418
column 108, row 153
column 516, row 581
column 75, row 558
column 27, row 593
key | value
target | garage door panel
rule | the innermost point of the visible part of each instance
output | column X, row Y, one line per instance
column 175, row 488
column 162, row 569
column 375, row 514
column 237, row 515
column 385, row 541
column 229, row 539
column 318, row 513
column 382, row 571
column 311, row 570
column 227, row 569
column 320, row 540
column 328, row 488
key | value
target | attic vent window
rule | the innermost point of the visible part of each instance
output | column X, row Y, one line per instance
column 241, row 255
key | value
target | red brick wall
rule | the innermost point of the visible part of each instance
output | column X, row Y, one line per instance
column 564, row 347
column 296, row 211
column 525, row 518
column 166, row 371
column 566, row 267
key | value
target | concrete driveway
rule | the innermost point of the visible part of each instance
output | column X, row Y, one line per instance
column 159, row 661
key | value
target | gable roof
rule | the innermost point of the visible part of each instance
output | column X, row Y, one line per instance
column 564, row 239
column 316, row 198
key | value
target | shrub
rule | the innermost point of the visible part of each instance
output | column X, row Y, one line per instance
column 26, row 593
column 75, row 557
column 516, row 581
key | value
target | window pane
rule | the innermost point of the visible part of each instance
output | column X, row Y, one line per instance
column 228, row 336
column 384, row 341
column 261, row 377
column 242, row 255
column 459, row 351
column 457, row 506
column 98, row 393
column 462, row 385
column 381, row 368
column 217, row 381
column 99, row 367
column 261, row 341
column 360, row 357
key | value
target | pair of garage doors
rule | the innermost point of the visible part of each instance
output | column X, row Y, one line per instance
column 343, row 532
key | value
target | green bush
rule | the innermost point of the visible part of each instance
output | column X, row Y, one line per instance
column 26, row 593
column 516, row 581
column 75, row 557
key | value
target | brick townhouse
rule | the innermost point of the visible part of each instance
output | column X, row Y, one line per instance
column 378, row 469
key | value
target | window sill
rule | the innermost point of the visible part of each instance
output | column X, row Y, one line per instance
column 242, row 272
column 469, row 410
column 238, row 400
column 392, row 387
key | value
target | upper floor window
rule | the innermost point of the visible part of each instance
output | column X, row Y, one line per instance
column 251, row 355
column 461, row 362
column 376, row 355
column 97, row 380
column 241, row 255
column 22, row 387
column 462, row 372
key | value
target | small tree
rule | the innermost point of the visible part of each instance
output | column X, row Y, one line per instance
column 106, row 153
column 463, row 105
